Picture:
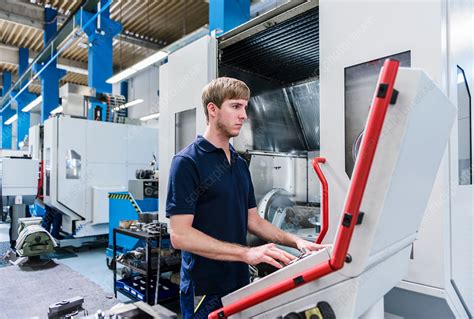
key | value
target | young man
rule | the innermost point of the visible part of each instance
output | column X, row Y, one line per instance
column 211, row 206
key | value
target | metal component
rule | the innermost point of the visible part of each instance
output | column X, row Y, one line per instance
column 148, row 217
column 65, row 307
column 143, row 188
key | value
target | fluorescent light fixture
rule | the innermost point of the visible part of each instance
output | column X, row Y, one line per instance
column 121, row 76
column 33, row 104
column 150, row 117
column 11, row 119
column 57, row 110
column 152, row 59
column 131, row 103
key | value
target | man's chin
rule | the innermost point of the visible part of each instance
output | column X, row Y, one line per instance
column 234, row 134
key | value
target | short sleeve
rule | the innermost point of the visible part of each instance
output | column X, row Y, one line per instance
column 251, row 202
column 182, row 187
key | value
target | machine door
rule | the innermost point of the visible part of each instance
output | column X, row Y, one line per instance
column 182, row 79
column 71, row 165
column 461, row 215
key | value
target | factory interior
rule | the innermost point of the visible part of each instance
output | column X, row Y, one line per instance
column 236, row 159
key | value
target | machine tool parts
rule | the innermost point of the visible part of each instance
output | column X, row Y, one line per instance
column 66, row 307
column 144, row 173
column 148, row 217
column 33, row 239
column 126, row 224
column 322, row 310
column 143, row 188
column 137, row 310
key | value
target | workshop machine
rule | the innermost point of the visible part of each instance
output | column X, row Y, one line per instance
column 393, row 177
column 86, row 159
column 312, row 67
column 18, row 187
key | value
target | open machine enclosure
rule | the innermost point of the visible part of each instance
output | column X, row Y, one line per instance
column 334, row 50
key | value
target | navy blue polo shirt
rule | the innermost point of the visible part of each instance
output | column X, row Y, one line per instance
column 218, row 193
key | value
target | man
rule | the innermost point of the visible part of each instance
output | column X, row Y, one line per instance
column 211, row 206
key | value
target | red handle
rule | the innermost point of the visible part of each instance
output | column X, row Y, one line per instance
column 325, row 198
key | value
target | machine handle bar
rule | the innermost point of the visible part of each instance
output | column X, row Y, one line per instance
column 325, row 198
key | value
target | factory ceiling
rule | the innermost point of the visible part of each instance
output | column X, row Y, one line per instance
column 148, row 25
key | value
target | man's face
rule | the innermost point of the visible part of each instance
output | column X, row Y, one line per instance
column 231, row 117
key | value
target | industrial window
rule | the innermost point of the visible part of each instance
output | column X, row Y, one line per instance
column 359, row 85
column 464, row 129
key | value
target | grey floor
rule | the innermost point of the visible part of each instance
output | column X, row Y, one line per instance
column 89, row 262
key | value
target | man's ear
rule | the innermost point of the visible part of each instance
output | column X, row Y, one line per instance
column 211, row 109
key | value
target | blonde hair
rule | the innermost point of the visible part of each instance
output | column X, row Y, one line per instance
column 221, row 89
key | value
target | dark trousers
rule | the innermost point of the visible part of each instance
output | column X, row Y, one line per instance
column 193, row 307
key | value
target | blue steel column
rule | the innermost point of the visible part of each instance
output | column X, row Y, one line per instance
column 51, row 75
column 7, row 113
column 100, row 55
column 23, row 99
column 225, row 15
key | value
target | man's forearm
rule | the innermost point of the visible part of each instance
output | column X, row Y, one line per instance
column 271, row 233
column 196, row 242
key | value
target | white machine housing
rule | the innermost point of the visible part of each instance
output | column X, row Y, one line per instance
column 18, row 177
column 84, row 161
column 400, row 181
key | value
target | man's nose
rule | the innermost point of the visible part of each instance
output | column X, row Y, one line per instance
column 243, row 114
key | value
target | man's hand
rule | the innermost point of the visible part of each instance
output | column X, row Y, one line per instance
column 269, row 254
column 306, row 246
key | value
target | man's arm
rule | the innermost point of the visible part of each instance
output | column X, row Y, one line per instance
column 185, row 237
column 269, row 232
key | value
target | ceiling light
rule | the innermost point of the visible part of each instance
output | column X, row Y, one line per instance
column 121, row 76
column 152, row 59
column 150, row 117
column 33, row 104
column 57, row 110
column 158, row 56
column 11, row 119
column 131, row 103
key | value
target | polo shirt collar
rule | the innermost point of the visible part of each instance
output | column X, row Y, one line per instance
column 205, row 145
column 208, row 147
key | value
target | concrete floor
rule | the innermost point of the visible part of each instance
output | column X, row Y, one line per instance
column 89, row 262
